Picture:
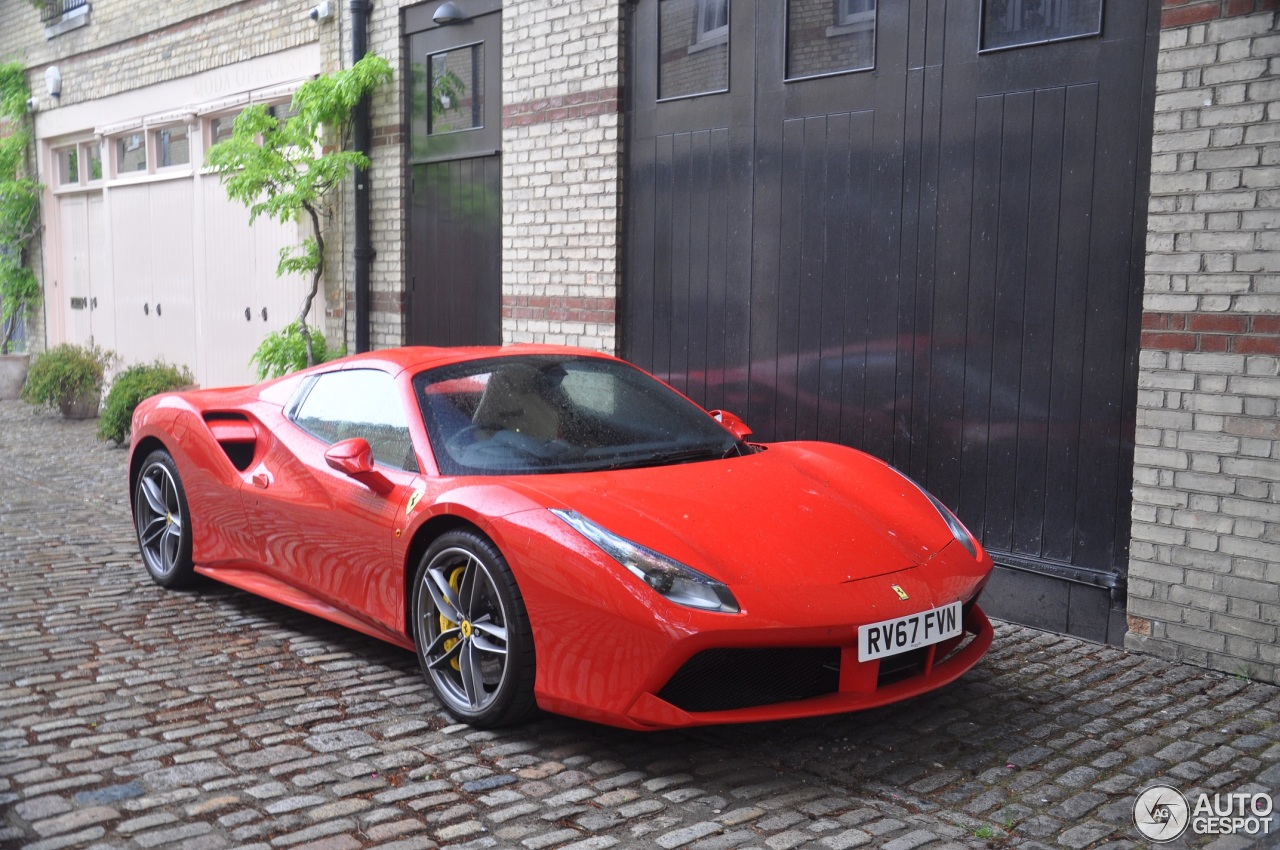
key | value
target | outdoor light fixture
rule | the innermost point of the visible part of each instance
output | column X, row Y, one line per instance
column 447, row 13
column 53, row 81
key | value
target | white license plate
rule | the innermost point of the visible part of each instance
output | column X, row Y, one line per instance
column 889, row 637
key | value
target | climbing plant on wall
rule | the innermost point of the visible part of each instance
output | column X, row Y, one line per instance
column 19, row 204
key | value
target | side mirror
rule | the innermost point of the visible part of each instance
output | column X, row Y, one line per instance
column 354, row 459
column 732, row 424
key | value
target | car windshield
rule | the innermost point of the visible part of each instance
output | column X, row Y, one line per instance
column 547, row 413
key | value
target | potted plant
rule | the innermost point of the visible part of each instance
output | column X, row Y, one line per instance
column 69, row 377
column 19, row 293
column 130, row 388
column 19, row 222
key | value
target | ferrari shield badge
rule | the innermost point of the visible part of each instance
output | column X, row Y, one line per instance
column 902, row 594
column 414, row 498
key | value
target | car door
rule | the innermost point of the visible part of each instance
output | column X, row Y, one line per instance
column 319, row 529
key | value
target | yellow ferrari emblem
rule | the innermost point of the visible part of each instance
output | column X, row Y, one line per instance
column 414, row 498
column 466, row 628
column 902, row 594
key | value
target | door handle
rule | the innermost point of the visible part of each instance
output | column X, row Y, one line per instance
column 264, row 314
column 146, row 309
column 261, row 480
column 157, row 309
column 247, row 315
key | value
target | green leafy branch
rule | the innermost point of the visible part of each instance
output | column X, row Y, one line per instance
column 279, row 168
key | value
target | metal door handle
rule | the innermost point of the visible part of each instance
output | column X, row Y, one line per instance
column 146, row 309
column 157, row 309
column 264, row 314
column 248, row 315
column 93, row 303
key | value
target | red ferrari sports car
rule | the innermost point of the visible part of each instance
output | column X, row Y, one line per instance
column 555, row 528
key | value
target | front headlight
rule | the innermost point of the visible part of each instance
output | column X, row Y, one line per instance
column 681, row 584
column 958, row 531
column 953, row 522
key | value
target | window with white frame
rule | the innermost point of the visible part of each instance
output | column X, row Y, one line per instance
column 130, row 153
column 172, row 146
column 78, row 165
column 221, row 128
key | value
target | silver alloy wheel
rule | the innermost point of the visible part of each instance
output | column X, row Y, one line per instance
column 160, row 521
column 465, row 620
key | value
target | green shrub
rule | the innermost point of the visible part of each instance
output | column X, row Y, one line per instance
column 66, row 372
column 285, row 351
column 133, row 386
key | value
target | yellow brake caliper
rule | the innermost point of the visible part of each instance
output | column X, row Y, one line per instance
column 455, row 581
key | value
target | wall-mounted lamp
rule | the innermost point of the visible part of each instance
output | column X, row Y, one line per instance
column 53, row 81
column 447, row 13
column 32, row 104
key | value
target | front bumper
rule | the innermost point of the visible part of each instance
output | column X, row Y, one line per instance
column 811, row 681
column 611, row 650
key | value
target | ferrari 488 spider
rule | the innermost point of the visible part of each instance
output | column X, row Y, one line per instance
column 554, row 528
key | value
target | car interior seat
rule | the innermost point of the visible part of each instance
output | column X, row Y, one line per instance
column 515, row 400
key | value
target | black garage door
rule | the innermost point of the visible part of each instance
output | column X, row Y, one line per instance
column 915, row 228
column 453, row 92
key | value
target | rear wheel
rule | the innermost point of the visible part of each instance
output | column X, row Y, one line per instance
column 162, row 520
column 472, row 631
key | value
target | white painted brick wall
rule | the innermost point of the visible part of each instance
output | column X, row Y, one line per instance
column 1204, row 574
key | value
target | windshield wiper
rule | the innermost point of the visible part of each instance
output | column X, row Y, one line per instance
column 673, row 457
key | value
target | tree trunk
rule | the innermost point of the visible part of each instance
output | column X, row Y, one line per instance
column 315, row 285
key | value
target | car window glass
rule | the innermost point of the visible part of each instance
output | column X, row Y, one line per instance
column 359, row 403
column 559, row 414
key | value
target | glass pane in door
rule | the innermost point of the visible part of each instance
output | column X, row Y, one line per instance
column 830, row 37
column 693, row 47
column 1015, row 23
column 455, row 89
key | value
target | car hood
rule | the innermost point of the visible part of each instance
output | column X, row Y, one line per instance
column 797, row 513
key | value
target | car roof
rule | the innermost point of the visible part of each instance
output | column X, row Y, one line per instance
column 415, row 358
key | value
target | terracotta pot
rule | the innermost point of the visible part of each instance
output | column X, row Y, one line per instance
column 82, row 406
column 13, row 374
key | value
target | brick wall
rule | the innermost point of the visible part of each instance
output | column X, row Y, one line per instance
column 561, row 180
column 121, row 50
column 1204, row 575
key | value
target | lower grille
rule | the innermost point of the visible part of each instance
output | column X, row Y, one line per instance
column 904, row 665
column 727, row 679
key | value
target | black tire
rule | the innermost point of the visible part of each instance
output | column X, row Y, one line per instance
column 472, row 631
column 163, row 521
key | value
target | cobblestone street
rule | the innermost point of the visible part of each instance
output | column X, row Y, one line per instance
column 133, row 717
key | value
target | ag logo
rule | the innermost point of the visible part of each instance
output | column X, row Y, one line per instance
column 1161, row 813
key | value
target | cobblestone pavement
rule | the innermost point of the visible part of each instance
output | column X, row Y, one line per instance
column 132, row 717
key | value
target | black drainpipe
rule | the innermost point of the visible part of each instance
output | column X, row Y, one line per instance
column 360, row 10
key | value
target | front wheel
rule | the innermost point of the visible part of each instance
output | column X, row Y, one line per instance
column 472, row 632
column 163, row 522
